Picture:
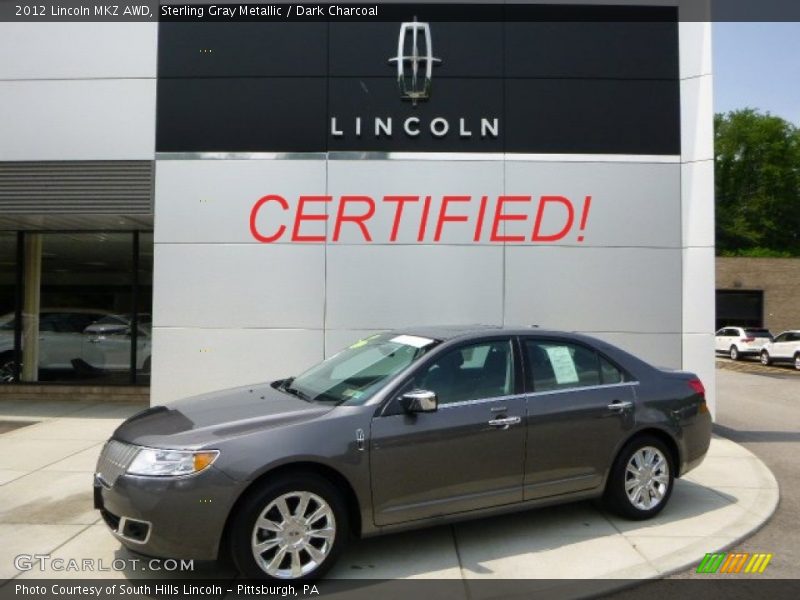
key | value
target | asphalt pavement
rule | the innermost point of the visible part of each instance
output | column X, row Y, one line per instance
column 759, row 408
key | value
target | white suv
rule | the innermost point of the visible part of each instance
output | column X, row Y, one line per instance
column 784, row 348
column 741, row 341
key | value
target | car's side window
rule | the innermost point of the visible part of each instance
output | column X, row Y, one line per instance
column 780, row 338
column 555, row 365
column 473, row 372
column 609, row 373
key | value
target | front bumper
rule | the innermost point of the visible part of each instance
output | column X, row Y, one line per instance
column 169, row 517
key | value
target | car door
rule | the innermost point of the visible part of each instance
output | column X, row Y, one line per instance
column 779, row 349
column 109, row 350
column 59, row 340
column 580, row 407
column 466, row 455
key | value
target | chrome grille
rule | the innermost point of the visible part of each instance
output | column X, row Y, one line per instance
column 114, row 460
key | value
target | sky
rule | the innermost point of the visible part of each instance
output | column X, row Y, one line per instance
column 757, row 65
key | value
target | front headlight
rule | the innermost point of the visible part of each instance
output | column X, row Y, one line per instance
column 152, row 461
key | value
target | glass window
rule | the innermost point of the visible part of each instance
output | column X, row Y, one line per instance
column 610, row 373
column 8, row 295
column 473, row 372
column 780, row 338
column 758, row 333
column 560, row 365
column 357, row 372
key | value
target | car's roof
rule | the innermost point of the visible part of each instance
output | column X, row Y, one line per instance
column 449, row 332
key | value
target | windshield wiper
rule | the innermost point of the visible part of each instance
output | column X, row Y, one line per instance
column 294, row 391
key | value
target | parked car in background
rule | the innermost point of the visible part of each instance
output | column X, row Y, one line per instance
column 107, row 343
column 71, row 338
column 785, row 348
column 741, row 341
column 399, row 431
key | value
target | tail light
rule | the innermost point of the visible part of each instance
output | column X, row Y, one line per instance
column 748, row 339
column 697, row 387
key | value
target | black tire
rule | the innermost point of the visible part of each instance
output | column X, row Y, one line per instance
column 733, row 353
column 616, row 498
column 797, row 361
column 7, row 367
column 765, row 359
column 242, row 527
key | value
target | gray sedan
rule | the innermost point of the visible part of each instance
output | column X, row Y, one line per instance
column 401, row 430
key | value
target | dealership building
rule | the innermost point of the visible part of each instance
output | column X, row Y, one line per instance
column 198, row 204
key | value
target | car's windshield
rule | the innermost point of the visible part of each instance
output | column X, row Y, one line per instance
column 354, row 374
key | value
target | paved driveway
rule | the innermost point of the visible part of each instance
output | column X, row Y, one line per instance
column 46, row 507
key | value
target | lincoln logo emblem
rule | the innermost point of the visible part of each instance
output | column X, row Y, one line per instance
column 416, row 85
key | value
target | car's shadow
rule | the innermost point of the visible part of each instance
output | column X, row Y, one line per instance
column 517, row 545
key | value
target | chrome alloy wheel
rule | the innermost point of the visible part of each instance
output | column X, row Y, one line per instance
column 293, row 535
column 647, row 478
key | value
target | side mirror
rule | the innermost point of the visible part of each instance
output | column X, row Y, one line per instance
column 419, row 401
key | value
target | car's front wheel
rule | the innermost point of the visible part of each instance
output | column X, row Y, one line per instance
column 734, row 353
column 797, row 361
column 765, row 359
column 291, row 528
column 641, row 479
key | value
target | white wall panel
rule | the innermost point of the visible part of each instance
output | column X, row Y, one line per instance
column 699, row 297
column 376, row 287
column 594, row 289
column 697, row 198
column 633, row 204
column 695, row 48
column 43, row 50
column 415, row 178
column 210, row 201
column 108, row 119
column 697, row 123
column 194, row 361
column 239, row 285
column 659, row 349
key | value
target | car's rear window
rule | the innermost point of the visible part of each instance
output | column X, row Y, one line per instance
column 759, row 333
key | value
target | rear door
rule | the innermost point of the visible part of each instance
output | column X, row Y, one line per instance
column 580, row 406
column 465, row 456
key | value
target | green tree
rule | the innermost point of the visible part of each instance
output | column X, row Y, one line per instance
column 757, row 184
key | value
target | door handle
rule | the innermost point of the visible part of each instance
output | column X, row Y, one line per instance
column 618, row 406
column 505, row 422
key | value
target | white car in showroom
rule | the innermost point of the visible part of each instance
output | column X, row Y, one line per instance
column 74, row 338
column 741, row 341
column 785, row 348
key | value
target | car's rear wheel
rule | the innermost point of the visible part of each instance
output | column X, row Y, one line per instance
column 734, row 353
column 765, row 359
column 292, row 528
column 641, row 479
column 797, row 361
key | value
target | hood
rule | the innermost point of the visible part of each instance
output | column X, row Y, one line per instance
column 209, row 418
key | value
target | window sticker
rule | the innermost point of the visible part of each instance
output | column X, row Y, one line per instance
column 562, row 363
column 364, row 342
column 412, row 340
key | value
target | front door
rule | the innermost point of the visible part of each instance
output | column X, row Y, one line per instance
column 468, row 454
column 579, row 409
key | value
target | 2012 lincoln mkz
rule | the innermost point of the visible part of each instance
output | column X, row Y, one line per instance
column 401, row 430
